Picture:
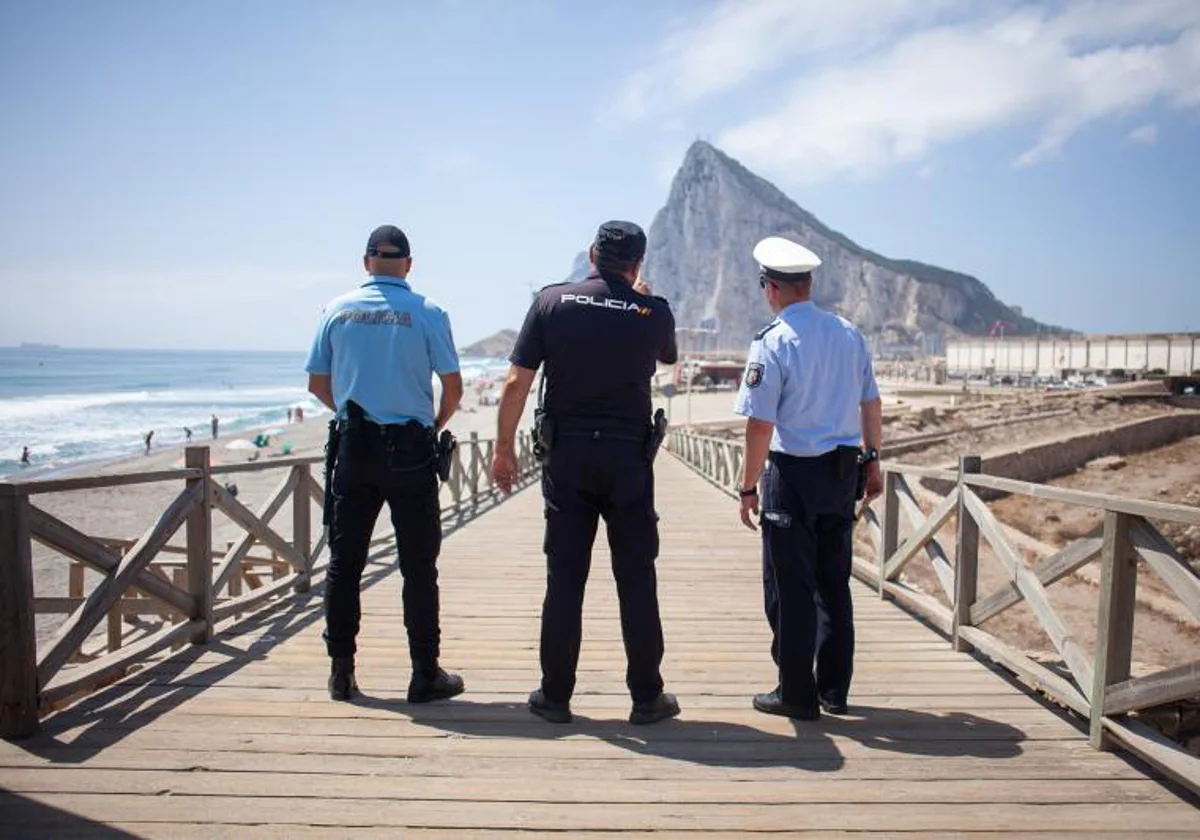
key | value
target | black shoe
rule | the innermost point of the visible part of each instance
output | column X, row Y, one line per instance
column 341, row 679
column 772, row 704
column 554, row 711
column 660, row 708
column 833, row 707
column 426, row 686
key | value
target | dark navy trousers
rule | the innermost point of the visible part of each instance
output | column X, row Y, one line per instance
column 392, row 465
column 807, row 509
column 585, row 480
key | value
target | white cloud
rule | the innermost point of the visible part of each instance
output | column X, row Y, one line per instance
column 868, row 84
column 1144, row 135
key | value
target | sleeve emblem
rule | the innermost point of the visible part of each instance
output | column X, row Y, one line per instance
column 754, row 375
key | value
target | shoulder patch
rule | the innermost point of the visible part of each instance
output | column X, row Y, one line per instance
column 754, row 375
column 758, row 335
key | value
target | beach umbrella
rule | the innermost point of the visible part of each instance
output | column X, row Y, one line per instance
column 240, row 444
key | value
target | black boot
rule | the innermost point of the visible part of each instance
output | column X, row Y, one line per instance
column 773, row 703
column 341, row 679
column 660, row 708
column 436, row 684
column 554, row 711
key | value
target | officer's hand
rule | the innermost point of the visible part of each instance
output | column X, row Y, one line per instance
column 749, row 506
column 504, row 470
column 874, row 482
column 642, row 287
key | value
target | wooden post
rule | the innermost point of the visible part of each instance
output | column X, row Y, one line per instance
column 18, row 639
column 1114, row 625
column 115, row 616
column 891, row 525
column 199, row 544
column 966, row 561
column 302, row 527
column 474, row 471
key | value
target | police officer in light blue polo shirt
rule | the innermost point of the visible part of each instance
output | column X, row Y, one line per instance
column 372, row 362
column 814, row 425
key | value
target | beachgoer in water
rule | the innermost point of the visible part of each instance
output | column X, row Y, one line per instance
column 187, row 433
column 149, row 437
column 289, row 415
column 25, row 457
column 216, row 424
column 299, row 414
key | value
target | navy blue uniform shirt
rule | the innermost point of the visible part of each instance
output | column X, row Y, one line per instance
column 600, row 341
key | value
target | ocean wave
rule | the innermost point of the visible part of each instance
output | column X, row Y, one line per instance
column 58, row 405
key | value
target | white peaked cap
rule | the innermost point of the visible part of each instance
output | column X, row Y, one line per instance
column 785, row 256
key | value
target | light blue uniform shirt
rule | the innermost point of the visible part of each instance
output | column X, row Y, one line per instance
column 381, row 344
column 808, row 373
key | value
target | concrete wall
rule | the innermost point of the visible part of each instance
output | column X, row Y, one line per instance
column 1045, row 461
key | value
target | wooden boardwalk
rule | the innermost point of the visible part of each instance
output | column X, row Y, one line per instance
column 239, row 739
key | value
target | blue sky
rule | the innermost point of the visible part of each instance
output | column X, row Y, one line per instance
column 204, row 174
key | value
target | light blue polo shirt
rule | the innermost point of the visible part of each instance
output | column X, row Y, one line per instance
column 381, row 344
column 808, row 373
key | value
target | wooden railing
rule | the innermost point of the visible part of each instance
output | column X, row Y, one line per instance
column 1096, row 684
column 155, row 595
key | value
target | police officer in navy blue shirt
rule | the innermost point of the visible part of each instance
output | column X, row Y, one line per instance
column 372, row 362
column 814, row 418
column 599, row 341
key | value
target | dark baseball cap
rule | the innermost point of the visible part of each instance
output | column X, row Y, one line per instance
column 622, row 242
column 388, row 235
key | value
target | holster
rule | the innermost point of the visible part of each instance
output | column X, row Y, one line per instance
column 544, row 433
column 658, row 433
column 445, row 454
column 331, row 453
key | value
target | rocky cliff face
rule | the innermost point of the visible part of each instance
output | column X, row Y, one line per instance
column 699, row 258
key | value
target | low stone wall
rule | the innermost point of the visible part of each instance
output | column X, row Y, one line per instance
column 1051, row 459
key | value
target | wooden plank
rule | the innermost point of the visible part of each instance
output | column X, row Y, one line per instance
column 933, row 549
column 1119, row 504
column 81, row 623
column 1164, row 754
column 1114, row 626
column 1032, row 673
column 265, row 513
column 1048, row 570
column 253, row 598
column 921, row 472
column 85, row 677
column 926, row 606
column 18, row 637
column 966, row 560
column 1169, row 686
column 302, row 527
column 95, row 482
column 1076, row 658
column 890, row 527
column 61, row 537
column 241, row 515
column 263, row 466
column 1174, row 570
column 199, row 544
column 917, row 540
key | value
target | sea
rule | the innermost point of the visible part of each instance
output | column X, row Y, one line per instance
column 75, row 407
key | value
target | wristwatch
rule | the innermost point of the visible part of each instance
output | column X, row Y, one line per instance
column 747, row 492
column 868, row 456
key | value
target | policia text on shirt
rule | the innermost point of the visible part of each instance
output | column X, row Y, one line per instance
column 599, row 341
column 372, row 362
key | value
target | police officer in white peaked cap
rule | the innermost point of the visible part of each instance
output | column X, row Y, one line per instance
column 813, row 431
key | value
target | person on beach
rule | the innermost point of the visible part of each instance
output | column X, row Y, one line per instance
column 25, row 456
column 216, row 424
column 149, row 436
column 599, row 340
column 289, row 415
column 187, row 434
column 810, row 399
column 372, row 363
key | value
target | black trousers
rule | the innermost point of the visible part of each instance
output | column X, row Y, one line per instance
column 807, row 533
column 584, row 480
column 377, row 464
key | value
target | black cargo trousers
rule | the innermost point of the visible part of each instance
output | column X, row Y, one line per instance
column 392, row 464
column 807, row 532
column 585, row 479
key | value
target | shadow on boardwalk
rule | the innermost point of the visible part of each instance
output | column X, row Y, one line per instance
column 812, row 745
